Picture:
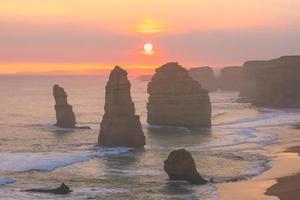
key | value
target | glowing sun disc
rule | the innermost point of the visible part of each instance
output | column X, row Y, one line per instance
column 148, row 47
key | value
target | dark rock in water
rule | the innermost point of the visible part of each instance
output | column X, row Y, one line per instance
column 273, row 83
column 205, row 76
column 62, row 189
column 180, row 165
column 120, row 126
column 230, row 78
column 64, row 112
column 175, row 99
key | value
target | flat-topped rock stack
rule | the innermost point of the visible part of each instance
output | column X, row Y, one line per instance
column 272, row 83
column 175, row 99
column 230, row 78
column 64, row 112
column 120, row 126
column 205, row 76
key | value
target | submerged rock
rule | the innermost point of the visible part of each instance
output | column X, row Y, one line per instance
column 175, row 99
column 230, row 78
column 180, row 165
column 205, row 76
column 64, row 112
column 62, row 189
column 273, row 83
column 120, row 126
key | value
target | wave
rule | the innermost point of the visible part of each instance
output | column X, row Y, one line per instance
column 6, row 181
column 20, row 162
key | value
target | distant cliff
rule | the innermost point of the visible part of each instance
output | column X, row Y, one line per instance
column 273, row 83
column 230, row 78
column 205, row 76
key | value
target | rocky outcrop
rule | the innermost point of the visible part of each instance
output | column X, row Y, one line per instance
column 180, row 165
column 120, row 126
column 230, row 78
column 273, row 83
column 175, row 99
column 205, row 76
column 64, row 112
column 62, row 189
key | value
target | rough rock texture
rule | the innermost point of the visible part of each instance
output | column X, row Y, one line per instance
column 230, row 78
column 64, row 112
column 120, row 126
column 273, row 83
column 205, row 76
column 62, row 189
column 175, row 99
column 180, row 165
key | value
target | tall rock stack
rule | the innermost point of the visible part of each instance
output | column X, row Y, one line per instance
column 205, row 76
column 175, row 99
column 230, row 78
column 64, row 112
column 120, row 126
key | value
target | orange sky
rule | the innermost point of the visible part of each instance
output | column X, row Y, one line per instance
column 52, row 35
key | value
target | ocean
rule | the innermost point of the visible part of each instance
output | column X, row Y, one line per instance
column 36, row 154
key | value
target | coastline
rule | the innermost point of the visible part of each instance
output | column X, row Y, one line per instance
column 281, row 179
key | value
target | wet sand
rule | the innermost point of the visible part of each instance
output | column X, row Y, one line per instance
column 287, row 188
column 280, row 181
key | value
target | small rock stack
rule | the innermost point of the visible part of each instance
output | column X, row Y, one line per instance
column 120, row 126
column 64, row 112
column 175, row 99
column 205, row 76
column 180, row 165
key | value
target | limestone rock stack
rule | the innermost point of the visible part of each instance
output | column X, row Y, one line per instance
column 180, row 165
column 272, row 83
column 64, row 112
column 205, row 76
column 230, row 78
column 175, row 99
column 120, row 126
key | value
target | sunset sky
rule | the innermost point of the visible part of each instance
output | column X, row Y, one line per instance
column 54, row 35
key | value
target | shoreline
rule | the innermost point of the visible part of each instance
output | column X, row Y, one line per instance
column 281, row 179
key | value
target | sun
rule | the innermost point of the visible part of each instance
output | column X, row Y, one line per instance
column 148, row 48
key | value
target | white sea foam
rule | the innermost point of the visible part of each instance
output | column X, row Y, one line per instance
column 6, row 181
column 18, row 162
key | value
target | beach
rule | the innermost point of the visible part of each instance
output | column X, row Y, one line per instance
column 281, row 181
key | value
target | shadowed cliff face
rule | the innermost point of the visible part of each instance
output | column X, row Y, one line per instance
column 120, row 126
column 205, row 76
column 175, row 99
column 64, row 112
column 273, row 83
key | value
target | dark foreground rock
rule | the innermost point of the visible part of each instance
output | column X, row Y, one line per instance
column 180, row 165
column 62, row 189
column 120, row 126
column 205, row 76
column 272, row 83
column 230, row 78
column 175, row 99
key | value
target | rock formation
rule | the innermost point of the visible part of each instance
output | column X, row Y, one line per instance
column 230, row 78
column 180, row 165
column 205, row 76
column 120, row 126
column 62, row 189
column 273, row 83
column 175, row 99
column 64, row 112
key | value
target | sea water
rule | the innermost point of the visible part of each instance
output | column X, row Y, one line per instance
column 35, row 154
